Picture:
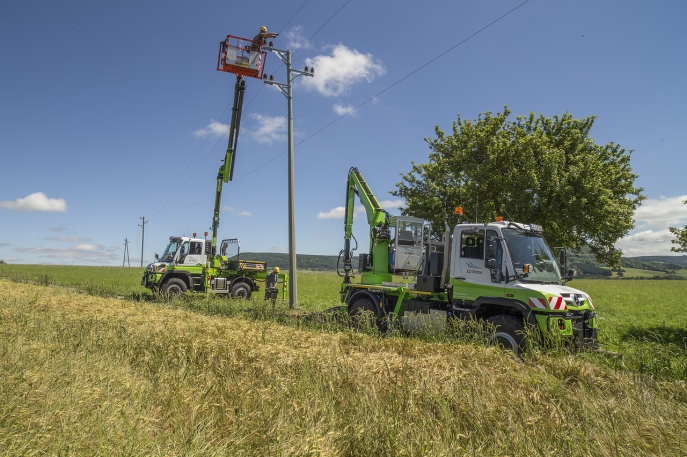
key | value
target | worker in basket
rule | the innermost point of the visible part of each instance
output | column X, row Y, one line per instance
column 271, row 285
column 260, row 38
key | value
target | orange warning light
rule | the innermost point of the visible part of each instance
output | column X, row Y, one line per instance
column 206, row 233
column 459, row 210
column 194, row 234
column 499, row 218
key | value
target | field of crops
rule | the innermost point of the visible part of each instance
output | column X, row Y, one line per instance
column 96, row 366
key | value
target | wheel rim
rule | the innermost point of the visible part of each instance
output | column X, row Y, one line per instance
column 174, row 290
column 242, row 292
column 507, row 341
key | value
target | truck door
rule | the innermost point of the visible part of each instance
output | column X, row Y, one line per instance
column 196, row 254
column 470, row 277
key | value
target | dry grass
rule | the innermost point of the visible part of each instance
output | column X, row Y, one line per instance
column 82, row 375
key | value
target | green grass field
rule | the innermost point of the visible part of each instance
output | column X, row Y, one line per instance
column 83, row 372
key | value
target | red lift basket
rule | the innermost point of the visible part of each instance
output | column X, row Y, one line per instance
column 241, row 56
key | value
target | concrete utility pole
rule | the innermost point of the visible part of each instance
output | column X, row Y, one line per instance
column 285, row 89
column 143, row 236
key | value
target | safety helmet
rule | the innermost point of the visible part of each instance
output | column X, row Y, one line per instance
column 276, row 269
column 263, row 29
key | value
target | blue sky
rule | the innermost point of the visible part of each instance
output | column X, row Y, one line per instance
column 110, row 111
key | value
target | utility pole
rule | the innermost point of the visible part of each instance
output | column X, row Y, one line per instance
column 285, row 89
column 126, row 252
column 143, row 236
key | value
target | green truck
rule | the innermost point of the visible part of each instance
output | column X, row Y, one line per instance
column 194, row 264
column 501, row 272
column 187, row 264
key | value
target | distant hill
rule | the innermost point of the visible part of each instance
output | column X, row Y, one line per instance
column 304, row 261
column 584, row 261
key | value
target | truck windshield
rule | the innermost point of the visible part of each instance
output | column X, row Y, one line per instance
column 171, row 251
column 527, row 247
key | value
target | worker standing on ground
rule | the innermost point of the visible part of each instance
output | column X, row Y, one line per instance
column 271, row 285
column 260, row 38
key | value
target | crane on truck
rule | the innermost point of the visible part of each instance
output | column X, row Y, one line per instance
column 194, row 264
column 501, row 272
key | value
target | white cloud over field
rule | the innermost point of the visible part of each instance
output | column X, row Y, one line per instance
column 36, row 202
column 339, row 212
column 652, row 220
column 214, row 128
column 337, row 72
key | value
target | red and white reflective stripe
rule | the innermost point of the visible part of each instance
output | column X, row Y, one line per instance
column 557, row 303
column 589, row 299
column 537, row 303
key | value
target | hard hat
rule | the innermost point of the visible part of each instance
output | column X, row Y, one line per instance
column 276, row 269
column 263, row 29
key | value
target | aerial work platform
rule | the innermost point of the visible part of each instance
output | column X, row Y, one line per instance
column 241, row 56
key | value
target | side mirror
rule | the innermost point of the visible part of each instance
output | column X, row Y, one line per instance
column 208, row 248
column 157, row 257
column 491, row 250
column 491, row 264
column 562, row 258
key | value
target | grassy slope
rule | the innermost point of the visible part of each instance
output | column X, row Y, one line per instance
column 83, row 375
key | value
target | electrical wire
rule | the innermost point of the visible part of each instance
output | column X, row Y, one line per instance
column 219, row 119
column 373, row 97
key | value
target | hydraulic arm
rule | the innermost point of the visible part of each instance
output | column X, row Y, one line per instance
column 379, row 221
column 226, row 170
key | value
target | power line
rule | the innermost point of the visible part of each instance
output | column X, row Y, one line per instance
column 208, row 134
column 371, row 98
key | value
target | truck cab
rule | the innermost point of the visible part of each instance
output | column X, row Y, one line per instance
column 507, row 268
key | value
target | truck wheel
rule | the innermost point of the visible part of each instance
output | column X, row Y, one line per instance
column 174, row 288
column 241, row 290
column 509, row 332
column 364, row 308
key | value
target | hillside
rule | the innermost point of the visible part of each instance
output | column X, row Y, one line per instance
column 304, row 261
column 584, row 261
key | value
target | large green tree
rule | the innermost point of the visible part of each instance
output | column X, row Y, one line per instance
column 680, row 238
column 534, row 169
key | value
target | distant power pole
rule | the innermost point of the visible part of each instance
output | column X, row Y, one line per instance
column 126, row 252
column 143, row 236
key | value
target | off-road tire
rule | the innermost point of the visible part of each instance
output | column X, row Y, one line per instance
column 360, row 309
column 510, row 332
column 241, row 290
column 174, row 287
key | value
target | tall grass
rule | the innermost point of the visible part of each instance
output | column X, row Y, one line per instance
column 84, row 375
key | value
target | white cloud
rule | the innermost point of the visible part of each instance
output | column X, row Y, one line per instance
column 335, row 74
column 277, row 249
column 652, row 219
column 244, row 213
column 11, row 259
column 214, row 128
column 334, row 213
column 339, row 212
column 58, row 229
column 342, row 110
column 84, row 253
column 36, row 202
column 648, row 242
column 88, row 247
column 296, row 40
column 392, row 204
column 227, row 208
column 270, row 128
column 66, row 239
column 662, row 213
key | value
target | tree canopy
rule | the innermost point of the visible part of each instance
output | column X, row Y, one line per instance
column 547, row 171
column 680, row 238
